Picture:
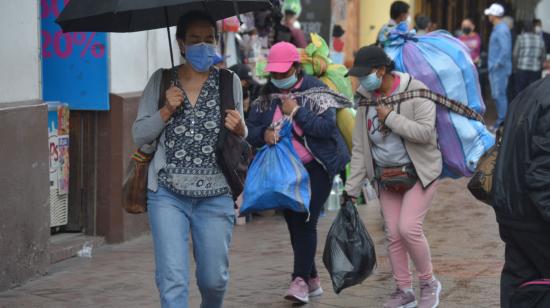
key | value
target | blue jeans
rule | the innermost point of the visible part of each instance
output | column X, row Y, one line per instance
column 499, row 86
column 210, row 220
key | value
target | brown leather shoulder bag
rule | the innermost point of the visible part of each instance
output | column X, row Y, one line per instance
column 135, row 186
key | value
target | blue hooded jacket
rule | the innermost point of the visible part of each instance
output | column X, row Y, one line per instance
column 500, row 50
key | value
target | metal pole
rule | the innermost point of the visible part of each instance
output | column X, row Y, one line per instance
column 169, row 36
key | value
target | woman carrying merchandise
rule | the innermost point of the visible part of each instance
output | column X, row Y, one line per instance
column 317, row 142
column 396, row 147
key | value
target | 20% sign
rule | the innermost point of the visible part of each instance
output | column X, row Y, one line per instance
column 63, row 43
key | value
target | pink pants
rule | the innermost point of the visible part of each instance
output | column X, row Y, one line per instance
column 404, row 215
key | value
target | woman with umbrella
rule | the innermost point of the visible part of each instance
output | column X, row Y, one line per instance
column 188, row 193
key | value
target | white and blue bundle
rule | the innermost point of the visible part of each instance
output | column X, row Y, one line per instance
column 443, row 63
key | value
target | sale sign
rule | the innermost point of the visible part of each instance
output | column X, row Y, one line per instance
column 74, row 65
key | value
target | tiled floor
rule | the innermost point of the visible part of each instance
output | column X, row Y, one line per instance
column 467, row 257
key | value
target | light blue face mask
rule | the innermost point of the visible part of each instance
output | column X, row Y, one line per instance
column 200, row 56
column 285, row 84
column 371, row 82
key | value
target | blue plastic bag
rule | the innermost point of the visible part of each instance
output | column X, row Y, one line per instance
column 277, row 179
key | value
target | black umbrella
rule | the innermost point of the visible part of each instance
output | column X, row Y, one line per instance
column 140, row 15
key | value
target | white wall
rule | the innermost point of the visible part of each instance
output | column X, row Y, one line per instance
column 543, row 13
column 20, row 70
column 134, row 57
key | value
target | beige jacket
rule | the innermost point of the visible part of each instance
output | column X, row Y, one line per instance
column 415, row 123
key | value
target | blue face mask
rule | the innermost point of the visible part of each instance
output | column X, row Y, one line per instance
column 371, row 82
column 285, row 84
column 200, row 56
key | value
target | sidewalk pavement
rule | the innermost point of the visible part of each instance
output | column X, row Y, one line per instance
column 466, row 250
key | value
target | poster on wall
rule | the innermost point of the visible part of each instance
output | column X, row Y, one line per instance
column 58, row 135
column 316, row 17
column 74, row 64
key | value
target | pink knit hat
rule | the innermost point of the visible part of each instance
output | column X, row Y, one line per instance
column 281, row 57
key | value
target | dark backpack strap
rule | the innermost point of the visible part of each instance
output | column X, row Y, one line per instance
column 406, row 89
column 409, row 83
column 227, row 101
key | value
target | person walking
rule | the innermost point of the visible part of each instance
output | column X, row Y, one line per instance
column 471, row 39
column 298, row 37
column 399, row 12
column 545, row 35
column 250, row 88
column 188, row 195
column 422, row 24
column 386, row 139
column 319, row 145
column 521, row 197
column 529, row 56
column 500, row 60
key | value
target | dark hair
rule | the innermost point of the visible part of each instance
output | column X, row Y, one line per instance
column 398, row 8
column 290, row 13
column 390, row 66
column 470, row 20
column 422, row 22
column 188, row 19
column 528, row 26
column 537, row 21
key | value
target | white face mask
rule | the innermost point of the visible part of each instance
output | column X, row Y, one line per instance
column 409, row 20
column 538, row 29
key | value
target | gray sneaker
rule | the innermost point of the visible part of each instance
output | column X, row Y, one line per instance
column 429, row 293
column 401, row 299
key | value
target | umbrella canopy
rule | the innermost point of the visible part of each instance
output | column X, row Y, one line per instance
column 140, row 15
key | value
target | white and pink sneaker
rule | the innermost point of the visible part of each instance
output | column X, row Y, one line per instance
column 429, row 293
column 314, row 285
column 401, row 299
column 298, row 291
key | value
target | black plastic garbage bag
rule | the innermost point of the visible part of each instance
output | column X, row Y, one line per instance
column 349, row 254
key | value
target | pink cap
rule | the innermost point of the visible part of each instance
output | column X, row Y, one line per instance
column 281, row 57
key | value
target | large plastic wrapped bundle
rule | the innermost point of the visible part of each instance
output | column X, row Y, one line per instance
column 443, row 63
column 293, row 5
column 315, row 59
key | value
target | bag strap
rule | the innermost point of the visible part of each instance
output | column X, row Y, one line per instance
column 298, row 138
column 399, row 105
column 146, row 152
column 227, row 101
column 439, row 99
column 363, row 98
column 165, row 81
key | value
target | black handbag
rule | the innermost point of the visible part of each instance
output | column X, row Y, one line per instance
column 234, row 154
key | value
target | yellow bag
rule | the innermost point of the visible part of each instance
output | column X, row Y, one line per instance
column 345, row 120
